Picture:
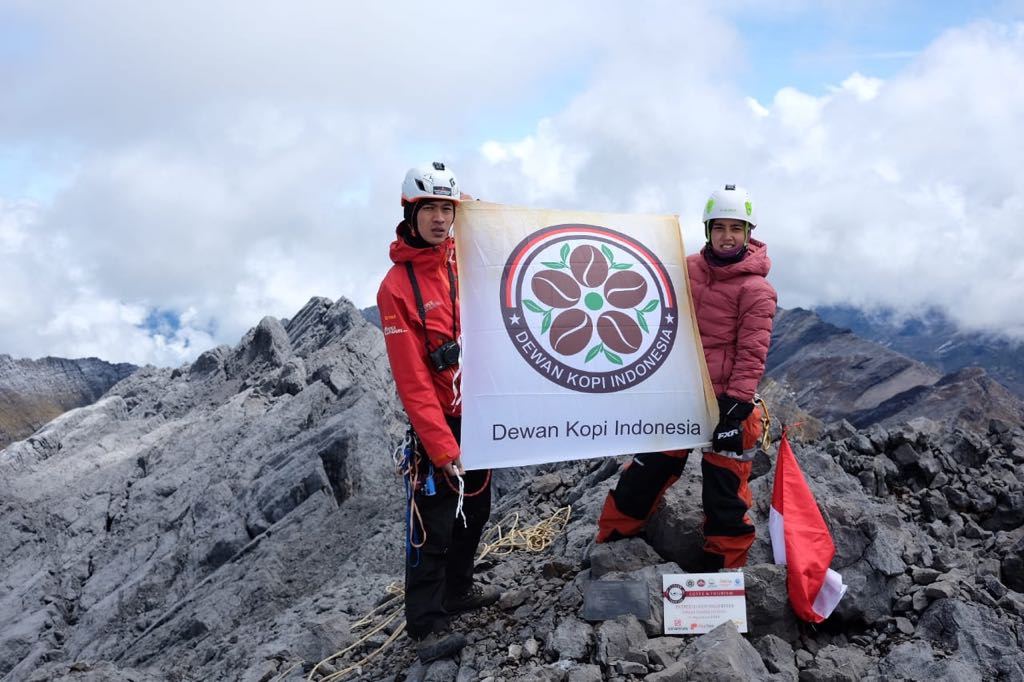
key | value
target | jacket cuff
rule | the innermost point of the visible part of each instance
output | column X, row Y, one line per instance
column 446, row 458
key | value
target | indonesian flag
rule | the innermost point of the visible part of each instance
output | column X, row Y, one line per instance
column 800, row 540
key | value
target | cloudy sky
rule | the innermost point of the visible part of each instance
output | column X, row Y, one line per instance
column 172, row 172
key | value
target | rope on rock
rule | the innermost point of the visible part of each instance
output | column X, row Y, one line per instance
column 376, row 620
column 535, row 538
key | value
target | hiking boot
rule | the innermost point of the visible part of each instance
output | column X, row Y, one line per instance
column 439, row 645
column 476, row 597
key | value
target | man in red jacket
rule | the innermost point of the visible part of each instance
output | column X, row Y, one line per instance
column 419, row 313
column 734, row 305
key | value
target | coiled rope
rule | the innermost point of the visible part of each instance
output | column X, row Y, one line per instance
column 535, row 538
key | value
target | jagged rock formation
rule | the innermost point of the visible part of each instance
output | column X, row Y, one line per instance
column 32, row 392
column 196, row 522
column 235, row 518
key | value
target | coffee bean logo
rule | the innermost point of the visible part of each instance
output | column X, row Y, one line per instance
column 619, row 332
column 625, row 289
column 590, row 308
column 555, row 289
column 589, row 265
column 571, row 331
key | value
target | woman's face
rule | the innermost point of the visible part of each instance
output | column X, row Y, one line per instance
column 728, row 234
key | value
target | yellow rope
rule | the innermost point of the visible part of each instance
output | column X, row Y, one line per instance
column 386, row 613
column 535, row 538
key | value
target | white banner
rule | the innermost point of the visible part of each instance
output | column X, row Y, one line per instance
column 578, row 337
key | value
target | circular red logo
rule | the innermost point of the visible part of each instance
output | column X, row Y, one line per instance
column 589, row 308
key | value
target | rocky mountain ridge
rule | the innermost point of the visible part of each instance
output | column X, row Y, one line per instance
column 931, row 337
column 831, row 373
column 237, row 518
column 32, row 392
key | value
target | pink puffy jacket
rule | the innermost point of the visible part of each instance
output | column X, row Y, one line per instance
column 734, row 305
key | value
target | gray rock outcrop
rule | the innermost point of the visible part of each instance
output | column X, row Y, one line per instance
column 194, row 519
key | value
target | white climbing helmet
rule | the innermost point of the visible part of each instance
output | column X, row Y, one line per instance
column 730, row 202
column 430, row 181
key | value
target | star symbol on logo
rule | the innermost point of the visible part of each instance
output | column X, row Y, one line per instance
column 514, row 319
column 669, row 319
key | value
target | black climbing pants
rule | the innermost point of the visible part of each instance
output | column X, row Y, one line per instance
column 443, row 566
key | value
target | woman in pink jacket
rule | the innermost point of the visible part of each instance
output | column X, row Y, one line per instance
column 734, row 304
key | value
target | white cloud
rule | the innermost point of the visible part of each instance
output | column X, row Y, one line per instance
column 224, row 163
column 862, row 87
column 874, row 193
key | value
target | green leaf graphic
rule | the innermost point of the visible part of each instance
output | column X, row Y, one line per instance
column 651, row 305
column 564, row 253
column 607, row 253
column 612, row 357
column 642, row 322
column 622, row 266
column 553, row 265
column 546, row 323
column 532, row 306
column 592, row 353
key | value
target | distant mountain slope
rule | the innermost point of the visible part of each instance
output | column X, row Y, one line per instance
column 834, row 374
column 934, row 339
column 32, row 392
column 969, row 397
column 372, row 315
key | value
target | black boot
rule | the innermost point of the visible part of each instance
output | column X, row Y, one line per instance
column 476, row 597
column 439, row 645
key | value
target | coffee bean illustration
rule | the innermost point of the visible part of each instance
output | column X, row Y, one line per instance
column 625, row 289
column 620, row 332
column 555, row 289
column 589, row 266
column 571, row 331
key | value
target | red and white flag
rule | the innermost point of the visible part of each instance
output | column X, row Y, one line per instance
column 801, row 541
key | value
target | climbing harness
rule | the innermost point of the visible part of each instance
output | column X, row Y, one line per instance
column 406, row 467
column 408, row 459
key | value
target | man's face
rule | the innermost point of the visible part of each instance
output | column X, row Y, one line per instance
column 728, row 234
column 434, row 220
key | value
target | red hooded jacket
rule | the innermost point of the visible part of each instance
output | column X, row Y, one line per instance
column 734, row 305
column 426, row 394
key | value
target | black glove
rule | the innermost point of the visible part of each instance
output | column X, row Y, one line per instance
column 728, row 435
column 734, row 409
